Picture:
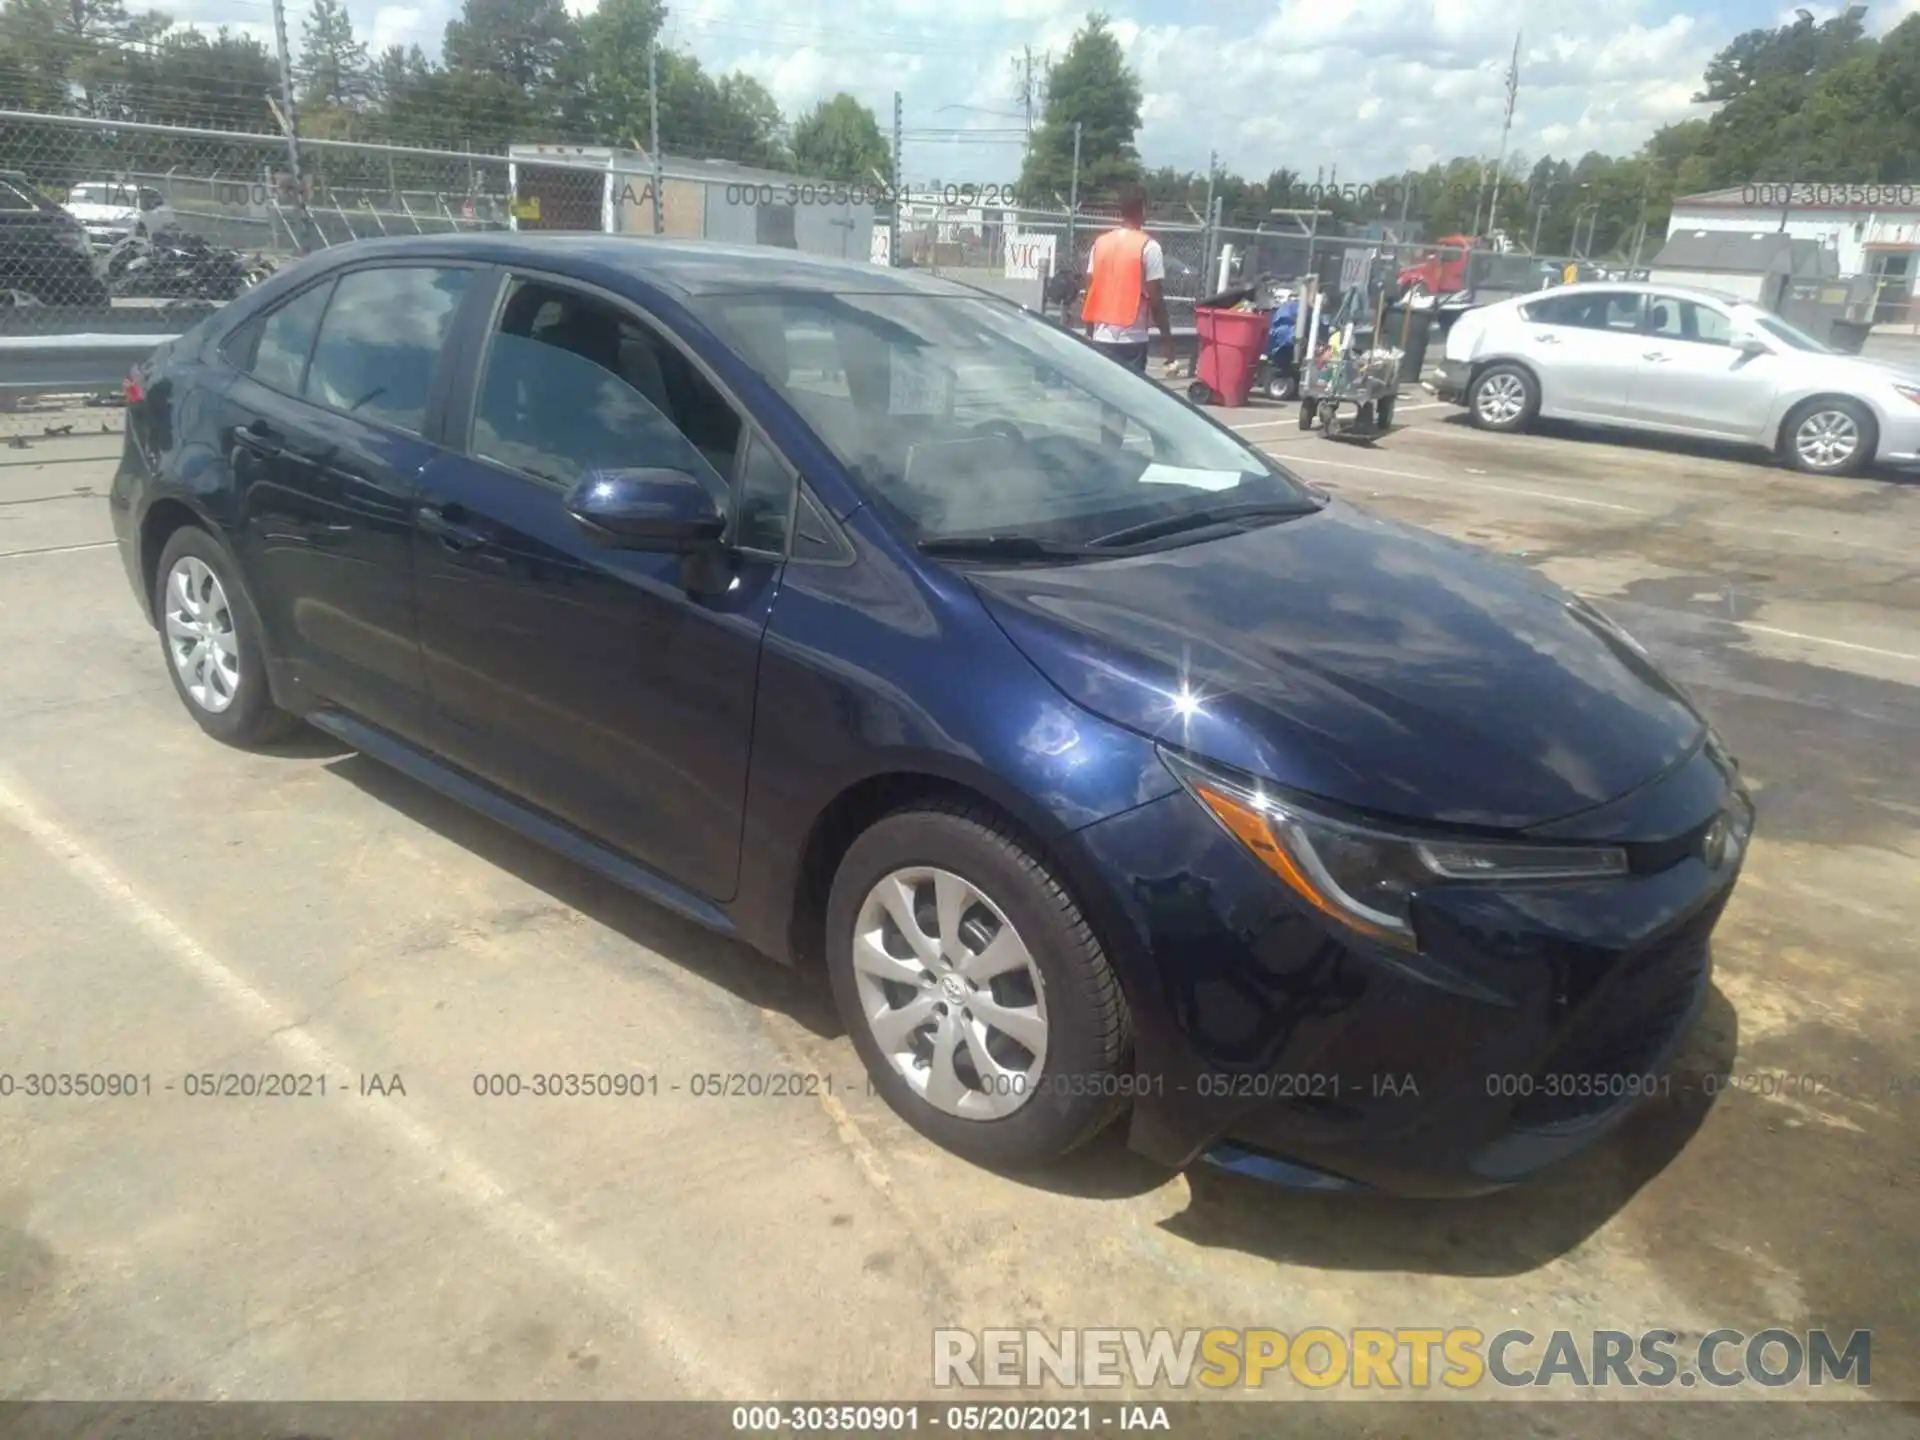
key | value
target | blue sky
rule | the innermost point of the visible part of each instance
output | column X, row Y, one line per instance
column 1369, row 86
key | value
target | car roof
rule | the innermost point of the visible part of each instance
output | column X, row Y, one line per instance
column 687, row 267
column 1641, row 287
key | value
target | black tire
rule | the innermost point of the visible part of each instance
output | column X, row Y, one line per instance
column 1505, row 381
column 1867, row 437
column 1308, row 409
column 1200, row 393
column 250, row 718
column 1089, row 1039
column 1384, row 416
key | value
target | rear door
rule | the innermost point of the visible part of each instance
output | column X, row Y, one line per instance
column 327, row 445
column 611, row 688
column 1585, row 347
column 1691, row 378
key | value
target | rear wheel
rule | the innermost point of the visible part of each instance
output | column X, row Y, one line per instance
column 1308, row 409
column 979, row 1000
column 211, row 639
column 1829, row 437
column 1503, row 398
column 1200, row 393
column 1385, row 412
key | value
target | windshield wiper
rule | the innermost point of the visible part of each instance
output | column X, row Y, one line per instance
column 1001, row 547
column 1203, row 519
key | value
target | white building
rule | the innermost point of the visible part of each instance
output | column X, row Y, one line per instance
column 1871, row 229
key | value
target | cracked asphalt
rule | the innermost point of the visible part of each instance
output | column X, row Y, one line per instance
column 175, row 909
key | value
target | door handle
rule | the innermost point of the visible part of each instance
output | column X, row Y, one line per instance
column 451, row 532
column 1547, row 339
column 259, row 437
column 1658, row 357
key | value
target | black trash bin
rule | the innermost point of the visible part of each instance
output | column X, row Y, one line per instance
column 1413, row 359
column 1849, row 337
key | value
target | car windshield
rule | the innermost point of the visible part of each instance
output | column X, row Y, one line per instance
column 968, row 417
column 1788, row 335
column 100, row 195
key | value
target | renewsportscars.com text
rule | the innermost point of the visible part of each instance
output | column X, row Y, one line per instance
column 1415, row 1358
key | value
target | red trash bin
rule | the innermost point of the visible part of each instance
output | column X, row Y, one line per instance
column 1231, row 342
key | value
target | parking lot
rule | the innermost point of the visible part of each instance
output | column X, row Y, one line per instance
column 175, row 908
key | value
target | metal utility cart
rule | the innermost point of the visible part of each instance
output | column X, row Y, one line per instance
column 1347, row 392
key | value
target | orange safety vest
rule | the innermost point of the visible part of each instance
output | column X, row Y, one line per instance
column 1116, row 285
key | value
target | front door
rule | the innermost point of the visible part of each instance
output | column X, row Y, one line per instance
column 1585, row 347
column 1691, row 378
column 328, row 415
column 612, row 688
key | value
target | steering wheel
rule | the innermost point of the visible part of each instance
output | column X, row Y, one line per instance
column 996, row 429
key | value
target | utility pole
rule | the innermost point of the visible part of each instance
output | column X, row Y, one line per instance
column 1206, row 249
column 653, row 117
column 1506, row 129
column 899, row 185
column 290, row 121
column 1073, row 197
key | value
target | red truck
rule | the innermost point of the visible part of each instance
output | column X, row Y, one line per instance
column 1444, row 269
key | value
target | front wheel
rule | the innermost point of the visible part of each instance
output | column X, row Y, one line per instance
column 981, row 1004
column 1829, row 437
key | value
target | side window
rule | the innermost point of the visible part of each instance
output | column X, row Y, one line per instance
column 766, row 499
column 573, row 385
column 1673, row 319
column 273, row 348
column 1621, row 312
column 1559, row 310
column 380, row 340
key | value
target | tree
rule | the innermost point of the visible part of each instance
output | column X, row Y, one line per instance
column 335, row 63
column 840, row 139
column 396, row 71
column 1091, row 87
column 1798, row 51
column 733, row 118
column 523, row 42
column 615, row 40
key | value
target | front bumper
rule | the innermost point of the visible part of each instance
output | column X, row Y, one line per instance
column 1899, row 443
column 1533, row 1022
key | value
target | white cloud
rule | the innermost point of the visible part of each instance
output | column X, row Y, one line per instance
column 1373, row 86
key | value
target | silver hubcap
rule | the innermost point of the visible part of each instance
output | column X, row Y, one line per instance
column 950, row 993
column 1827, row 439
column 1502, row 398
column 200, row 635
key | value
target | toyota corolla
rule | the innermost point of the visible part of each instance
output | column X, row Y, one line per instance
column 1111, row 772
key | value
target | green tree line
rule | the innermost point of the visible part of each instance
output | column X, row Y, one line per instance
column 511, row 71
column 1810, row 102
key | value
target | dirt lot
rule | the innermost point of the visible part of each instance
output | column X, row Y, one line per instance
column 174, row 908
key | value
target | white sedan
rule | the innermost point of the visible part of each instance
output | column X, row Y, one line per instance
column 111, row 210
column 1680, row 362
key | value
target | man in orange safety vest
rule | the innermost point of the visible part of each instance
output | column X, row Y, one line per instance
column 1125, row 287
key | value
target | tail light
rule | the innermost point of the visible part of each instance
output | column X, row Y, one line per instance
column 136, row 392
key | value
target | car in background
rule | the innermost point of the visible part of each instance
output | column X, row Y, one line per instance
column 44, row 255
column 1108, row 769
column 1680, row 361
column 111, row 210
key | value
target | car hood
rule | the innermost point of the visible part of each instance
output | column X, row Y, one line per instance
column 1367, row 662
column 103, row 214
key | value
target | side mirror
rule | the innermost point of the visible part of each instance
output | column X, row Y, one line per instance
column 646, row 509
column 1751, row 345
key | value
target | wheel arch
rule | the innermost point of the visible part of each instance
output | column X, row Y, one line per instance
column 162, row 519
column 858, row 805
column 1796, row 408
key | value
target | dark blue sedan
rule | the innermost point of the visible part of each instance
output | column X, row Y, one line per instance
column 1107, row 768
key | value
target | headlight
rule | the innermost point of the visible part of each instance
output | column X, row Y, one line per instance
column 1363, row 876
column 1909, row 392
